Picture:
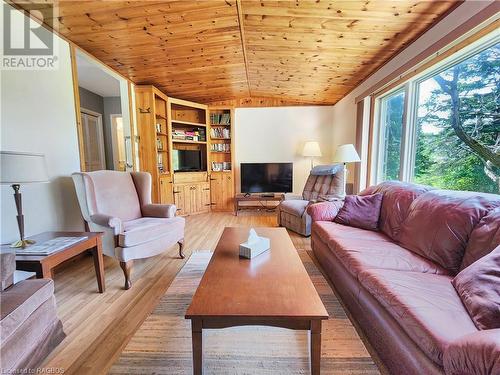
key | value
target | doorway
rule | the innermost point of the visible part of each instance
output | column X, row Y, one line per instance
column 93, row 140
column 106, row 119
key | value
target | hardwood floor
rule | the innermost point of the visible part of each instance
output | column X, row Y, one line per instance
column 98, row 326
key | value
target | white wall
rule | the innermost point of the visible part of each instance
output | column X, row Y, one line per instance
column 38, row 115
column 278, row 135
column 344, row 112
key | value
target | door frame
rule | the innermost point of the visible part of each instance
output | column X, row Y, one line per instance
column 101, row 133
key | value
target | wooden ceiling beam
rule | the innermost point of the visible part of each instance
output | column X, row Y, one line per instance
column 243, row 42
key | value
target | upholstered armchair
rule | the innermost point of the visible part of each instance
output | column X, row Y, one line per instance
column 325, row 183
column 119, row 204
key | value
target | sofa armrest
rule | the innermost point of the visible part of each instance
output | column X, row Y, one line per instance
column 7, row 268
column 324, row 211
column 108, row 221
column 159, row 210
column 292, row 197
column 477, row 353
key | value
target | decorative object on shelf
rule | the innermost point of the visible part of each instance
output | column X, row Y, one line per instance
column 158, row 128
column 254, row 245
column 346, row 154
column 22, row 168
column 312, row 150
column 220, row 167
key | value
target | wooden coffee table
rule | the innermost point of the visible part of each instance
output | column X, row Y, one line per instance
column 43, row 264
column 272, row 289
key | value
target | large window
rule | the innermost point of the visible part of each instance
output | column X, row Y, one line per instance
column 453, row 137
column 391, row 127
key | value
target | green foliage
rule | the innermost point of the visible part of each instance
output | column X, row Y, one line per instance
column 443, row 159
column 394, row 107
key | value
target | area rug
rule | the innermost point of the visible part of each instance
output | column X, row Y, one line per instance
column 162, row 345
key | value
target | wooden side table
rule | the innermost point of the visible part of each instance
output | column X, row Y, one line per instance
column 43, row 265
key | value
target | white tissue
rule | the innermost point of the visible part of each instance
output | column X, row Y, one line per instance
column 254, row 245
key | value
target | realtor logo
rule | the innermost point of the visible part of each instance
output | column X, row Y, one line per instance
column 27, row 45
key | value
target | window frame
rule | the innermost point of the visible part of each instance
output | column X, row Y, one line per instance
column 410, row 110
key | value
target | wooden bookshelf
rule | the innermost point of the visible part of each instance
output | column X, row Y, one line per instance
column 154, row 145
column 190, row 120
column 221, row 158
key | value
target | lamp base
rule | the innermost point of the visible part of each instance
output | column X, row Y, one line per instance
column 22, row 243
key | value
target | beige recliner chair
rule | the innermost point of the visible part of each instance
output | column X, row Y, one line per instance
column 325, row 182
column 119, row 204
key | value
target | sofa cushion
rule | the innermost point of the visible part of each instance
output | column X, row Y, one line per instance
column 479, row 288
column 440, row 222
column 477, row 353
column 327, row 230
column 398, row 196
column 360, row 211
column 295, row 207
column 146, row 229
column 484, row 238
column 358, row 253
column 423, row 304
column 20, row 301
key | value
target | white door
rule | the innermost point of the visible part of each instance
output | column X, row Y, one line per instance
column 93, row 141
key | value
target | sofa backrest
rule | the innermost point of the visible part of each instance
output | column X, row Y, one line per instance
column 108, row 192
column 484, row 238
column 440, row 222
column 398, row 196
column 316, row 185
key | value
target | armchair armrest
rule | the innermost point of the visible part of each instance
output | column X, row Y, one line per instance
column 291, row 196
column 324, row 211
column 477, row 353
column 159, row 210
column 108, row 221
column 7, row 268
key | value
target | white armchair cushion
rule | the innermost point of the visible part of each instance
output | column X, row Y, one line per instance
column 147, row 229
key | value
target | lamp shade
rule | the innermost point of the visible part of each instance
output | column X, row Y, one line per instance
column 346, row 154
column 311, row 149
column 22, row 168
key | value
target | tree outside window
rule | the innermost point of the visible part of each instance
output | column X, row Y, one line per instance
column 458, row 126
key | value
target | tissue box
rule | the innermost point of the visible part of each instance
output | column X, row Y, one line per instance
column 251, row 250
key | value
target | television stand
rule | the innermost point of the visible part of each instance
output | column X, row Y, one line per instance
column 260, row 202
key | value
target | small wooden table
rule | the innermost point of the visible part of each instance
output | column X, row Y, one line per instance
column 43, row 264
column 272, row 289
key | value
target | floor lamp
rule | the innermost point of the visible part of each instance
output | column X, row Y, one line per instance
column 346, row 154
column 312, row 150
column 21, row 168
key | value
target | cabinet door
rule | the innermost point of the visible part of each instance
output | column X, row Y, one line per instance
column 216, row 191
column 166, row 191
column 190, row 203
column 205, row 197
column 228, row 192
column 180, row 199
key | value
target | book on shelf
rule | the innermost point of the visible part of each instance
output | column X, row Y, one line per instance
column 220, row 147
column 220, row 133
column 159, row 144
column 220, row 119
column 50, row 246
column 220, row 167
column 197, row 135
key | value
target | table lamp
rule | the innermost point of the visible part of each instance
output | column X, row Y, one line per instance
column 18, row 168
column 312, row 150
column 346, row 154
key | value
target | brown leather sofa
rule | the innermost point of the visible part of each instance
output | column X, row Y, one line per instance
column 29, row 326
column 396, row 282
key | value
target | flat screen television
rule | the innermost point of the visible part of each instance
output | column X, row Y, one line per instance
column 266, row 177
column 187, row 160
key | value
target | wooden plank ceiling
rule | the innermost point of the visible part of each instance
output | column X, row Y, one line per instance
column 312, row 52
